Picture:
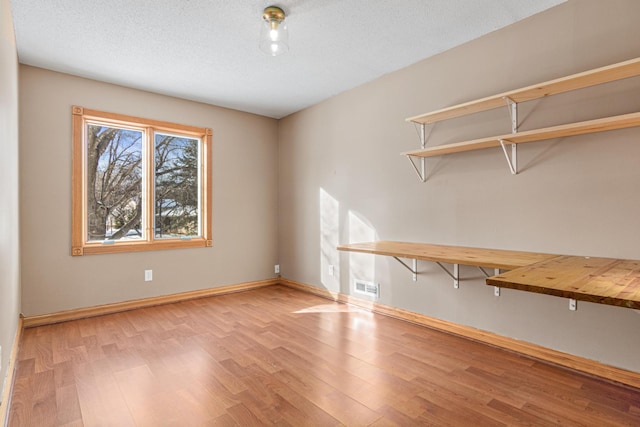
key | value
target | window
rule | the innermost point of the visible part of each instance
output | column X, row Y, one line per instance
column 138, row 184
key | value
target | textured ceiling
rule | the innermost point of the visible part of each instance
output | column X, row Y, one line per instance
column 207, row 50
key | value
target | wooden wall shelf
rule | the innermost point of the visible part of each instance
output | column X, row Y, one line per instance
column 561, row 131
column 619, row 71
column 598, row 280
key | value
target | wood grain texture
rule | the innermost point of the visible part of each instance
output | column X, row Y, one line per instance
column 64, row 316
column 161, row 125
column 277, row 356
column 598, row 280
column 581, row 364
column 207, row 183
column 5, row 396
column 560, row 131
column 609, row 73
column 77, row 183
column 490, row 258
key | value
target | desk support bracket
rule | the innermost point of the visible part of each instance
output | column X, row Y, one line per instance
column 496, row 271
column 455, row 275
column 414, row 270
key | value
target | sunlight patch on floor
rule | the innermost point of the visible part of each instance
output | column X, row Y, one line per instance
column 331, row 308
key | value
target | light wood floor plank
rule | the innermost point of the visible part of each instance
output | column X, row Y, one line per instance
column 278, row 356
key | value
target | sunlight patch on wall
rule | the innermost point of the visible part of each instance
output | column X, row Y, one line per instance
column 329, row 234
column 361, row 266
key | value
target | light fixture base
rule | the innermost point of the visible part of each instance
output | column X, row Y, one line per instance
column 273, row 13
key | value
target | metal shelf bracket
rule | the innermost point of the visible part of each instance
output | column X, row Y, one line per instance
column 513, row 114
column 512, row 160
column 455, row 275
column 422, row 174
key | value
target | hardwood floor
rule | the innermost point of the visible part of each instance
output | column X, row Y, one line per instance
column 277, row 356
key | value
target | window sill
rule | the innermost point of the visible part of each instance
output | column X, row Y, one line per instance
column 114, row 248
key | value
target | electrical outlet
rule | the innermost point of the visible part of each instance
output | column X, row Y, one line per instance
column 496, row 291
column 148, row 275
column 276, row 268
column 573, row 304
column 331, row 270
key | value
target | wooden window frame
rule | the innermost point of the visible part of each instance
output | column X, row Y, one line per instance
column 79, row 244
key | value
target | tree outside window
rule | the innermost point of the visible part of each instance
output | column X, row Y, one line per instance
column 139, row 184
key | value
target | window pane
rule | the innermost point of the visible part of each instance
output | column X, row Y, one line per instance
column 177, row 188
column 114, row 183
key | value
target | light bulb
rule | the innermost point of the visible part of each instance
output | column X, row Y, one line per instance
column 274, row 37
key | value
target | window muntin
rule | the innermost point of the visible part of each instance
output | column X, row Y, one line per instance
column 139, row 184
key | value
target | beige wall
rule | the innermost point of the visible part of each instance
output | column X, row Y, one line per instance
column 244, row 199
column 342, row 179
column 9, row 239
column 290, row 191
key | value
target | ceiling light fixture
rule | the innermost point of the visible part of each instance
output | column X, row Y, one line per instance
column 274, row 37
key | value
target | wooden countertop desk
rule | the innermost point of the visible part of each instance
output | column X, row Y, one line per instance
column 490, row 258
column 599, row 280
